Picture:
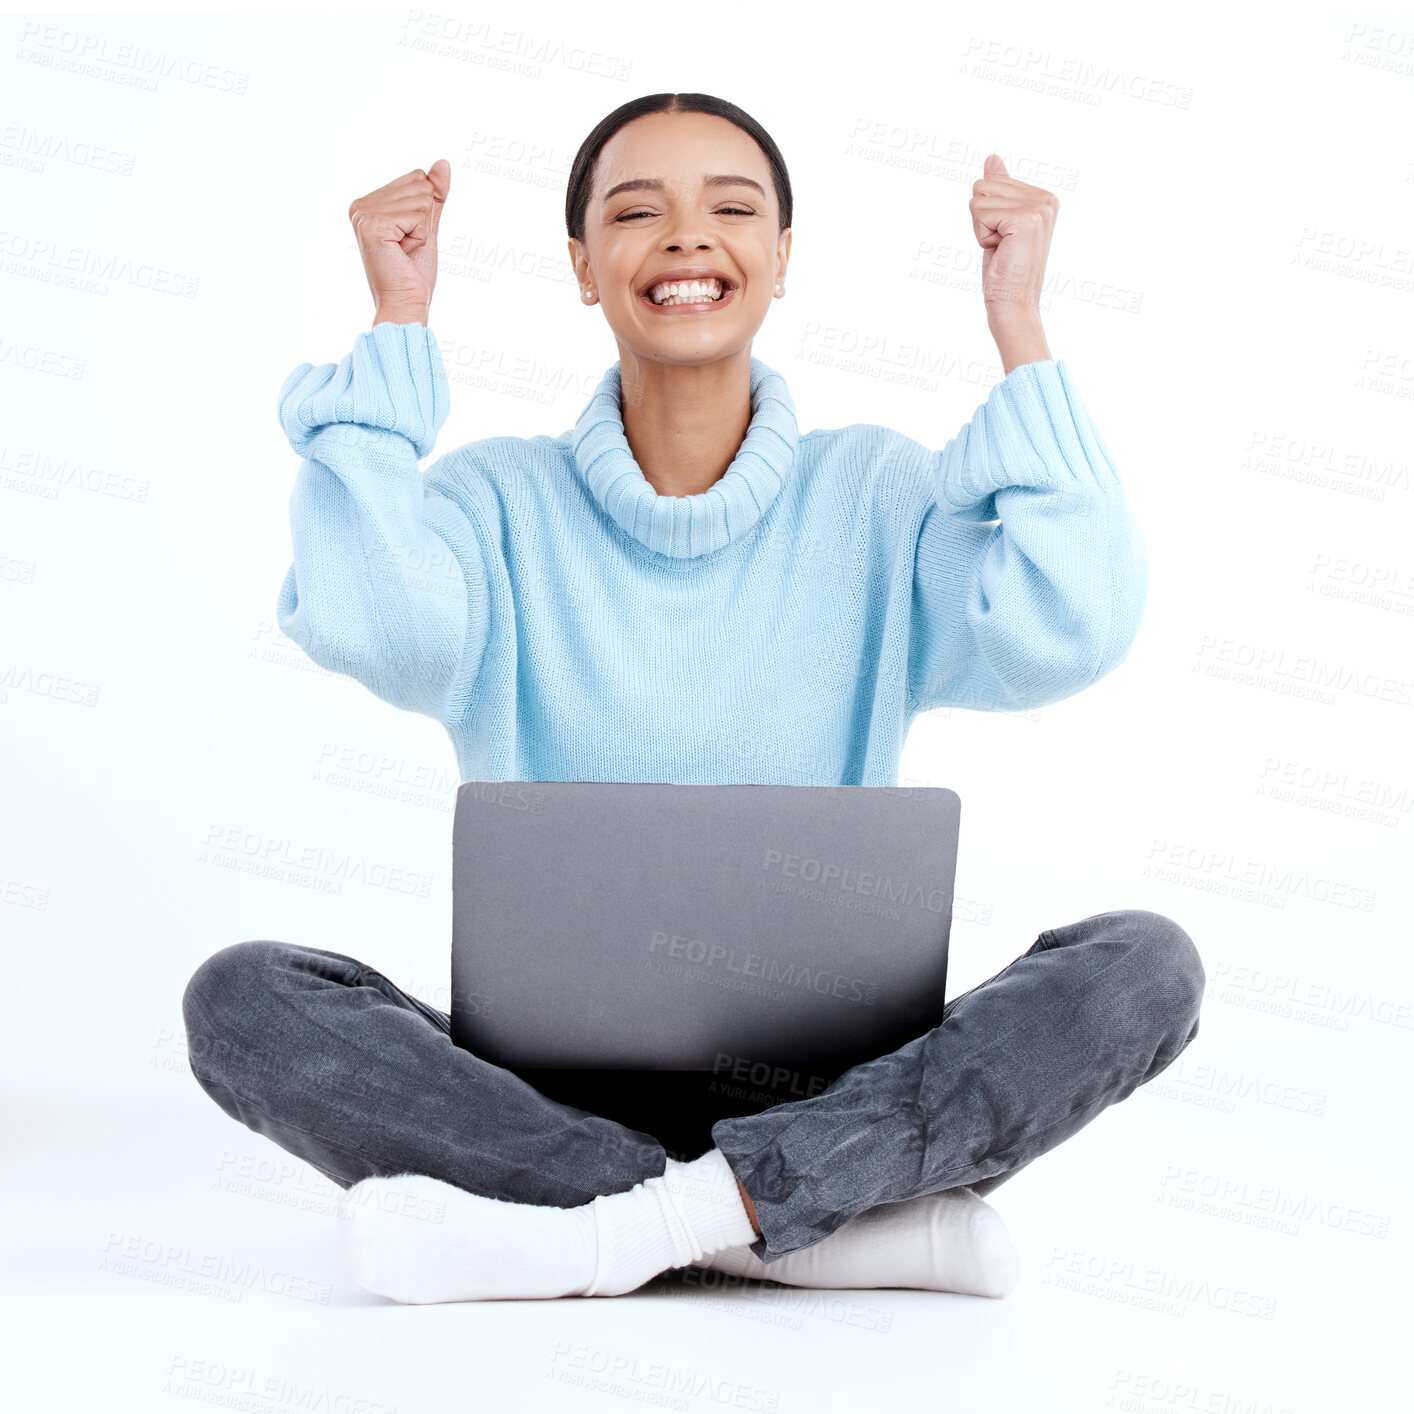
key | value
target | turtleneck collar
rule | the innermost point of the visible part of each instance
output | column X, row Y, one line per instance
column 687, row 526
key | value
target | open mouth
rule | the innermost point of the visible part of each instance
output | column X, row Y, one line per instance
column 687, row 292
column 688, row 288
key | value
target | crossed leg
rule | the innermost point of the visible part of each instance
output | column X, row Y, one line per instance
column 1017, row 1065
column 332, row 1061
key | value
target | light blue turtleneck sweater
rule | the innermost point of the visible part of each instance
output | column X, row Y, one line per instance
column 565, row 622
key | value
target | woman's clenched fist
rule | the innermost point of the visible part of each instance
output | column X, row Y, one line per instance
column 396, row 228
column 1012, row 221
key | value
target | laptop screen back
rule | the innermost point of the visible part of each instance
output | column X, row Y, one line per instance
column 666, row 927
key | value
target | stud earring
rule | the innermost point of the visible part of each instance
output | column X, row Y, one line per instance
column 587, row 295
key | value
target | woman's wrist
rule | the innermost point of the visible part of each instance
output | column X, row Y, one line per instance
column 387, row 315
column 1019, row 338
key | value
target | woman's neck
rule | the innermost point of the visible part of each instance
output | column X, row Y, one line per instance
column 684, row 423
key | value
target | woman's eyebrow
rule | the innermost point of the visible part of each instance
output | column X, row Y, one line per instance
column 655, row 184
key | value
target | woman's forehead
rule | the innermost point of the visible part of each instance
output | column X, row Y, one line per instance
column 682, row 147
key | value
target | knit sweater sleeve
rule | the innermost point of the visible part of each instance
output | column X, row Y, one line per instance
column 387, row 584
column 1031, row 576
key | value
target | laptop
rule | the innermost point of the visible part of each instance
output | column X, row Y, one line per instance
column 767, row 935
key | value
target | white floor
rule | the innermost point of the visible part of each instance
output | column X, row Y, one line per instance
column 164, row 1257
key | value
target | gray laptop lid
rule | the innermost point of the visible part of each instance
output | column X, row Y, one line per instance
column 661, row 926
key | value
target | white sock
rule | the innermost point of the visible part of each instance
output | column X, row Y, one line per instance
column 947, row 1241
column 416, row 1239
column 691, row 1212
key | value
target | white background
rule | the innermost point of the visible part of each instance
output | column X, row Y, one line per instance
column 1231, row 284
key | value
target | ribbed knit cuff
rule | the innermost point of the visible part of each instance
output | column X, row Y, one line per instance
column 685, row 1214
column 635, row 1240
column 1033, row 430
column 392, row 379
column 706, row 1193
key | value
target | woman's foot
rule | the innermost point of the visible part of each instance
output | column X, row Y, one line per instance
column 947, row 1241
column 416, row 1239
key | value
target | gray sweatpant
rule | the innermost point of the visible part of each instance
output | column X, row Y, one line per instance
column 328, row 1058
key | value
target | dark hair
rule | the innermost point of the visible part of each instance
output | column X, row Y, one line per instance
column 582, row 172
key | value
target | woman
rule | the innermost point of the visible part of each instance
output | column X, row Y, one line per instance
column 685, row 588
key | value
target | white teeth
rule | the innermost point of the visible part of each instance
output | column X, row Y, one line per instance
column 687, row 292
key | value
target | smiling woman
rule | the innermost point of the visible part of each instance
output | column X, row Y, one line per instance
column 678, row 211
column 683, row 587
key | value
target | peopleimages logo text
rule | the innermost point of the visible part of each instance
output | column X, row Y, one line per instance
column 768, row 969
column 864, row 882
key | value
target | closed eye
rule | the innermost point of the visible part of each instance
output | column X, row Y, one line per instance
column 725, row 211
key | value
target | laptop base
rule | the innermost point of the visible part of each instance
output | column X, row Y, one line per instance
column 677, row 1107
